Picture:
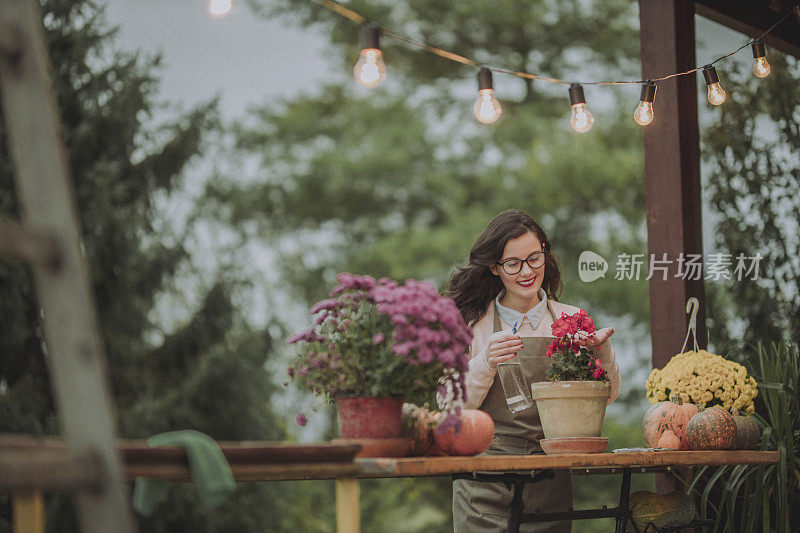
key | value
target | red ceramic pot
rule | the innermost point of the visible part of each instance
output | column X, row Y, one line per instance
column 365, row 417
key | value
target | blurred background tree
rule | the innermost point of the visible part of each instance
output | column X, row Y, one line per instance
column 196, row 364
column 751, row 156
column 399, row 181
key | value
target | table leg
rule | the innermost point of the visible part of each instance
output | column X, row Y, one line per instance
column 624, row 493
column 515, row 509
column 28, row 512
column 348, row 513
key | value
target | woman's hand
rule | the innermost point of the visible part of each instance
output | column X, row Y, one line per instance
column 503, row 345
column 594, row 339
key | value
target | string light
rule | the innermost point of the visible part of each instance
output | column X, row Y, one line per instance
column 716, row 94
column 219, row 8
column 486, row 109
column 580, row 118
column 645, row 113
column 761, row 67
column 370, row 70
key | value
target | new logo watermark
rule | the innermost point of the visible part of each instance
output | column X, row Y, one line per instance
column 592, row 266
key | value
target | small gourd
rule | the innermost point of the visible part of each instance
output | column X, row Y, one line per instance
column 669, row 440
column 747, row 431
column 673, row 416
column 711, row 429
column 665, row 510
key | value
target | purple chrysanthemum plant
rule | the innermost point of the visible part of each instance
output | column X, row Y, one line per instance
column 378, row 338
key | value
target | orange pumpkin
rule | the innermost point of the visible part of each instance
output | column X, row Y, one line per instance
column 673, row 416
column 711, row 429
column 475, row 436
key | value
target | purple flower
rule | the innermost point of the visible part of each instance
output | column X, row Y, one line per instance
column 307, row 335
column 290, row 371
column 349, row 281
column 321, row 318
column 325, row 305
column 302, row 371
column 378, row 338
column 301, row 420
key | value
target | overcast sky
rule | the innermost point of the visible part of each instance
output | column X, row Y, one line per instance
column 243, row 58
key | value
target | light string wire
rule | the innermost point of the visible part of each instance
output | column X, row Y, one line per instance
column 360, row 19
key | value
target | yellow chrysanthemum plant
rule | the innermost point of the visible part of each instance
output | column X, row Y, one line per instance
column 704, row 379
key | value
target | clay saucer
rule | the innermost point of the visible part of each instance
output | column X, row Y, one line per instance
column 574, row 445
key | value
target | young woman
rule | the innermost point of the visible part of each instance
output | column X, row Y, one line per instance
column 508, row 294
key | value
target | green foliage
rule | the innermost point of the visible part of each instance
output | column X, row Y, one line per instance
column 568, row 366
column 750, row 149
column 776, row 366
column 751, row 152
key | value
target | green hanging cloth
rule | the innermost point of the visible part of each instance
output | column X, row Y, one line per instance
column 210, row 471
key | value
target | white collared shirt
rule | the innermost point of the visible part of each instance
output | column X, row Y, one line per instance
column 514, row 318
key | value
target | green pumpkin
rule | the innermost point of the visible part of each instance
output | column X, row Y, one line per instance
column 663, row 510
column 747, row 431
column 711, row 429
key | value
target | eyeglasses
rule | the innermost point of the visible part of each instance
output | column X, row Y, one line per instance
column 514, row 266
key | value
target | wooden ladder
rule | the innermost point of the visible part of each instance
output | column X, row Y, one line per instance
column 48, row 239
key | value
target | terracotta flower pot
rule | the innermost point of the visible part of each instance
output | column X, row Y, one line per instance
column 366, row 417
column 571, row 408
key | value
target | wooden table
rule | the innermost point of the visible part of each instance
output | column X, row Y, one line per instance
column 29, row 467
column 523, row 466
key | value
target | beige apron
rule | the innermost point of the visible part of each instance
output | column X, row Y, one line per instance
column 484, row 507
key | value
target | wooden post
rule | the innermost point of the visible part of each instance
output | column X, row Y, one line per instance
column 672, row 175
column 27, row 512
column 75, row 357
column 672, row 171
column 348, row 513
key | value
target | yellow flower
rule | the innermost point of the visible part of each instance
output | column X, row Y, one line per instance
column 702, row 377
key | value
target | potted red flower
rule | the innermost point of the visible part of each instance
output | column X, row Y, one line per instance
column 572, row 403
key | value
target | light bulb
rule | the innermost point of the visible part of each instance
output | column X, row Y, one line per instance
column 645, row 112
column 716, row 94
column 219, row 8
column 580, row 118
column 486, row 109
column 761, row 67
column 370, row 71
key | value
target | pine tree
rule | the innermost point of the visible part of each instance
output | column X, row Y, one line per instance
column 204, row 372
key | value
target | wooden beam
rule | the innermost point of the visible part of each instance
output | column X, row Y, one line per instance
column 753, row 19
column 49, row 470
column 672, row 172
column 672, row 178
column 75, row 359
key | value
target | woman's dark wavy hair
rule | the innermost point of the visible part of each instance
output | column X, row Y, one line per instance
column 474, row 286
